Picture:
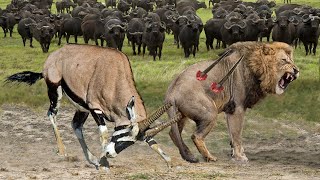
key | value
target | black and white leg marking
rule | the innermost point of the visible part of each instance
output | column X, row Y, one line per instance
column 154, row 145
column 55, row 95
column 124, row 136
column 101, row 119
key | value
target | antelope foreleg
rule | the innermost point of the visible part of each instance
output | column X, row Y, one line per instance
column 154, row 145
column 100, row 119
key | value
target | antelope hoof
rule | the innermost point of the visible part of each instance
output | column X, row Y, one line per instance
column 104, row 169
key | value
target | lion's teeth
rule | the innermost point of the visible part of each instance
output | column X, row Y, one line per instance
column 288, row 75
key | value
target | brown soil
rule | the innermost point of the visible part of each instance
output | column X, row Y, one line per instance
column 277, row 149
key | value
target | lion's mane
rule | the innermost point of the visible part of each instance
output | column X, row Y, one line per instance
column 261, row 60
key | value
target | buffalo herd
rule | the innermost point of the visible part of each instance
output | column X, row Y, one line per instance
column 145, row 23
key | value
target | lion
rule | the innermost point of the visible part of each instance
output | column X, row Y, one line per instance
column 264, row 68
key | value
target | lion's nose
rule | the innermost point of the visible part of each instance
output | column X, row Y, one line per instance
column 295, row 71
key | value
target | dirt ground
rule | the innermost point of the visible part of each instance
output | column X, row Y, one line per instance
column 277, row 149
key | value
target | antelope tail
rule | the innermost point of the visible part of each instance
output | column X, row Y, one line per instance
column 25, row 77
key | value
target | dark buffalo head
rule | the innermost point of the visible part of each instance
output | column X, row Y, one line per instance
column 220, row 13
column 282, row 21
column 194, row 25
column 257, row 22
column 236, row 27
column 265, row 14
column 135, row 36
column 312, row 21
column 155, row 27
column 182, row 20
column 116, row 29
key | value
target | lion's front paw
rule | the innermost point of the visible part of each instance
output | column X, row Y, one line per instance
column 210, row 158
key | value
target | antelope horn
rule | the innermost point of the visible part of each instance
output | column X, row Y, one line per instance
column 155, row 130
column 217, row 87
column 203, row 75
column 143, row 125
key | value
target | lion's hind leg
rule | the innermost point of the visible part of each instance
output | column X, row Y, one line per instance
column 205, row 121
column 204, row 113
column 235, row 126
column 175, row 134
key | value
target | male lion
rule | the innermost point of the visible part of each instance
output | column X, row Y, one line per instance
column 265, row 68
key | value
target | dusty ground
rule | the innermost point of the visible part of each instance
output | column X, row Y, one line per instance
column 277, row 149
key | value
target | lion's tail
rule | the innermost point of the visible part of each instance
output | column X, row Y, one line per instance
column 26, row 77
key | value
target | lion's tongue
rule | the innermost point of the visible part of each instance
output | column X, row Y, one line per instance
column 282, row 83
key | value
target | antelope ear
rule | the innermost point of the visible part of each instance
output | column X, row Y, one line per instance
column 130, row 110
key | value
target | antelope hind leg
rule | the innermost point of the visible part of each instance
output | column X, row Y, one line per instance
column 55, row 95
column 77, row 124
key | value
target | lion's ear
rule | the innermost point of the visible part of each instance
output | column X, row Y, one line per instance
column 268, row 50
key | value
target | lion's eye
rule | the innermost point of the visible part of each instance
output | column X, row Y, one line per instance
column 284, row 60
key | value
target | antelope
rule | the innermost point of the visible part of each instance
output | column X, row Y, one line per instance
column 98, row 81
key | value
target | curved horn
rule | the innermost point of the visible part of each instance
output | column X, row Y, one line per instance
column 163, row 25
column 255, row 20
column 316, row 17
column 177, row 19
column 305, row 18
column 155, row 130
column 228, row 25
column 242, row 24
column 135, row 33
column 110, row 26
column 143, row 125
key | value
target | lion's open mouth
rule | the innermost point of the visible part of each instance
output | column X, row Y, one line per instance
column 286, row 79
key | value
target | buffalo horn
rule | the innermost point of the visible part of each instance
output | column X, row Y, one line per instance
column 242, row 24
column 143, row 125
column 305, row 18
column 228, row 25
column 135, row 33
column 115, row 25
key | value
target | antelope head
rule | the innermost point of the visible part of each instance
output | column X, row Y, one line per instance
column 125, row 136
